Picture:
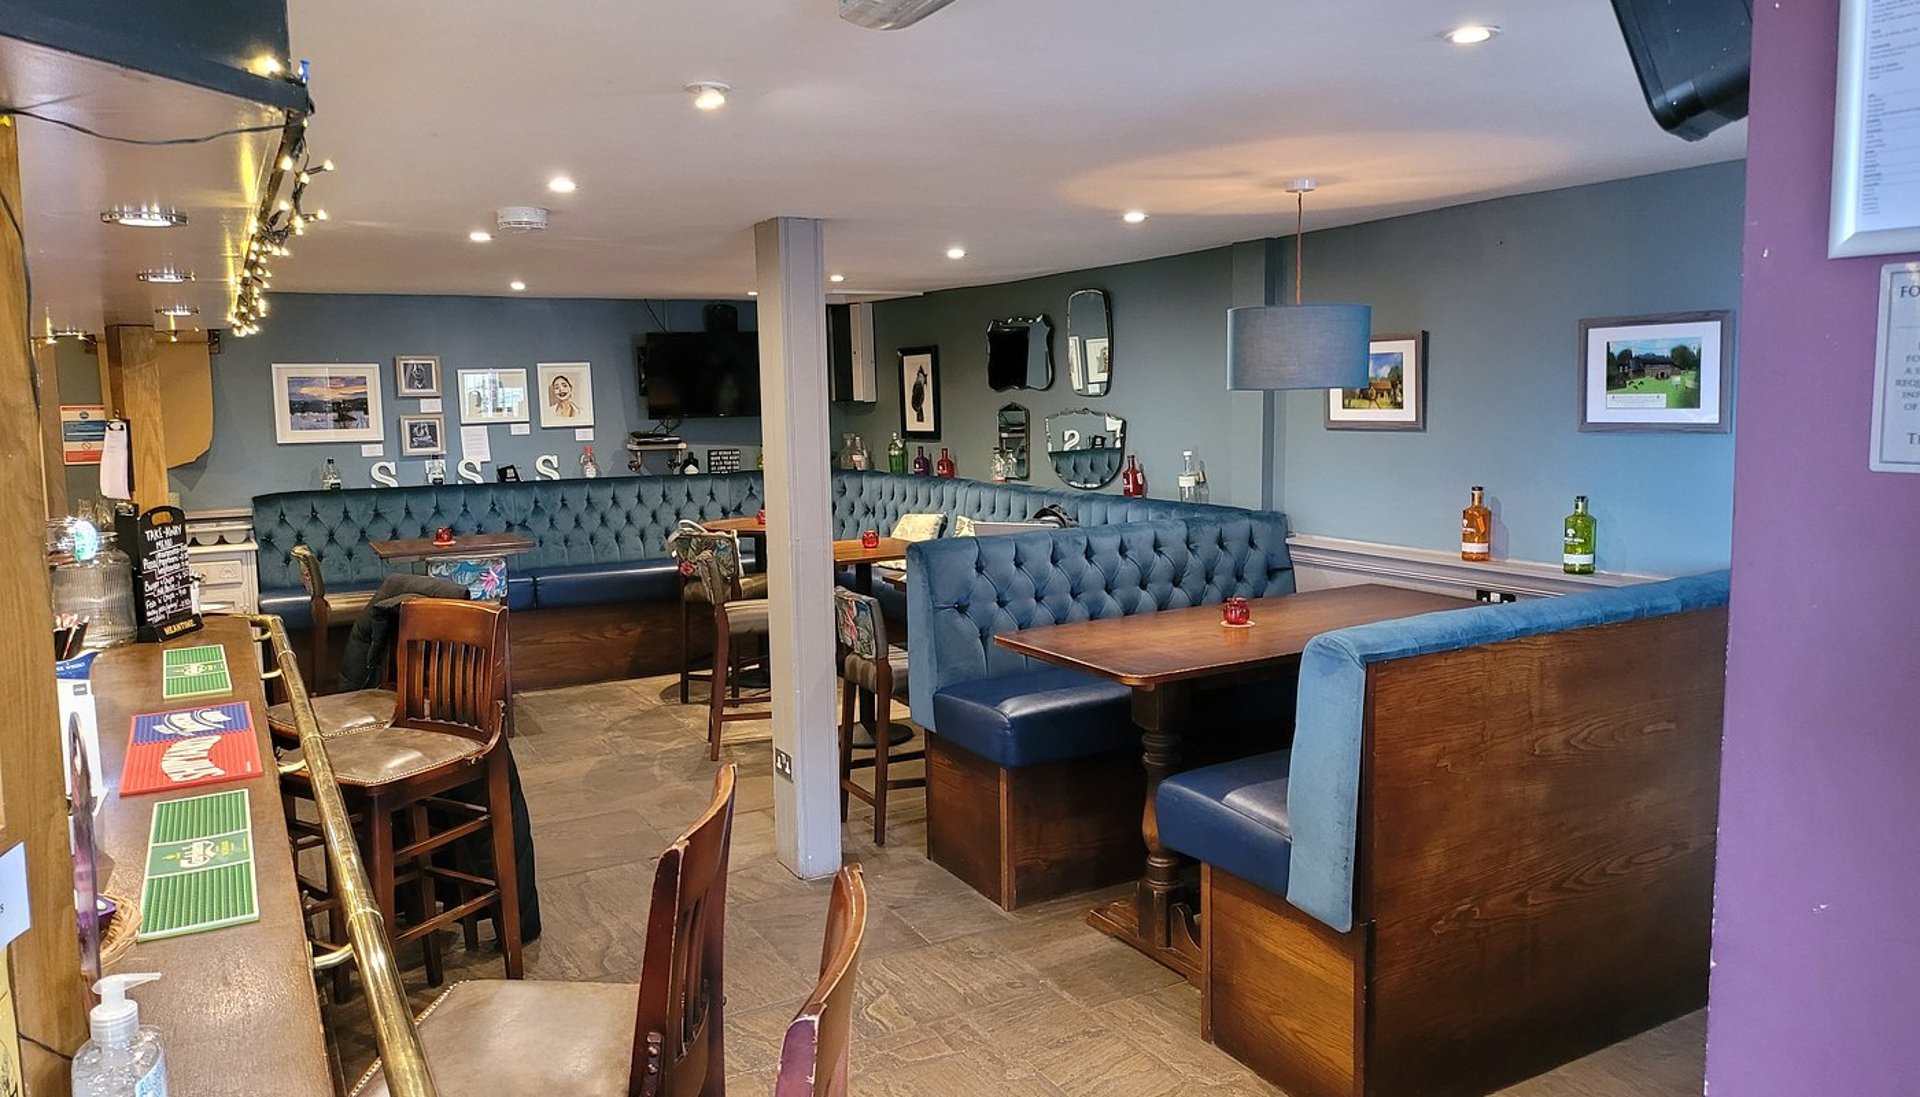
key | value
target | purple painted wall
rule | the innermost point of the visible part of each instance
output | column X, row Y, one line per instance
column 1816, row 984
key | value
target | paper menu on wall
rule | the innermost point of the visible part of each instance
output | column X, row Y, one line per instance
column 475, row 445
column 430, row 406
column 520, row 428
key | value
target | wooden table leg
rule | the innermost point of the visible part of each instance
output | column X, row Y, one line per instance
column 1161, row 918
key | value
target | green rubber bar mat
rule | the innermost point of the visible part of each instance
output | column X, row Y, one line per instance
column 195, row 672
column 199, row 866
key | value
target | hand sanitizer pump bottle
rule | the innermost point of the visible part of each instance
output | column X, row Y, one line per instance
column 124, row 1058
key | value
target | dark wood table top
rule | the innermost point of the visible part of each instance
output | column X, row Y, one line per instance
column 750, row 525
column 853, row 552
column 464, row 547
column 237, row 1006
column 1179, row 644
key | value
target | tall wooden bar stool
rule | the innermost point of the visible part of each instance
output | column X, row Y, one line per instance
column 327, row 610
column 740, row 633
column 667, row 1036
column 440, row 753
column 867, row 662
column 688, row 540
column 813, row 1057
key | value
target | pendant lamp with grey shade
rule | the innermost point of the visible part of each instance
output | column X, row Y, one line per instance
column 1298, row 346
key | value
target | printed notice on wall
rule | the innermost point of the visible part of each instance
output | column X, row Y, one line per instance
column 1876, row 191
column 1896, row 372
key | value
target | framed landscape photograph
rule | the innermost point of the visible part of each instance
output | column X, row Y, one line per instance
column 423, row 435
column 493, row 395
column 920, row 393
column 566, row 394
column 1657, row 373
column 416, row 375
column 327, row 403
column 1396, row 394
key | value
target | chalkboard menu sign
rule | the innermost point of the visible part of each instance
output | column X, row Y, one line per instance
column 156, row 542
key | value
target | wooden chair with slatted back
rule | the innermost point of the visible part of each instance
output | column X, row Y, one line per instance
column 327, row 611
column 813, row 1058
column 740, row 636
column 664, row 1038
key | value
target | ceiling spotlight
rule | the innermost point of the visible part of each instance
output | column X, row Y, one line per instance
column 165, row 276
column 753, row 293
column 479, row 236
column 266, row 65
column 516, row 285
column 560, row 184
column 1471, row 34
column 1134, row 216
column 177, row 310
column 956, row 252
column 709, row 94
column 144, row 217
column 836, row 277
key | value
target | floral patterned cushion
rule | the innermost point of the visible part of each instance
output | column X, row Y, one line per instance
column 918, row 527
column 962, row 526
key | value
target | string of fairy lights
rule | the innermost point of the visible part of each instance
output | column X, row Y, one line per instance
column 277, row 220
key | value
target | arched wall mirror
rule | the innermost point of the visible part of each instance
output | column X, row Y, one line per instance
column 1014, row 441
column 1086, row 447
column 1089, row 342
column 1020, row 353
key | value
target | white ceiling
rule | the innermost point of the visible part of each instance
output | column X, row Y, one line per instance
column 1016, row 128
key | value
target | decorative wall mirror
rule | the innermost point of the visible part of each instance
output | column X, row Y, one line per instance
column 1086, row 447
column 1089, row 342
column 1020, row 353
column 1015, row 431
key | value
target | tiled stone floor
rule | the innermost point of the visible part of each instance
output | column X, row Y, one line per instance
column 956, row 997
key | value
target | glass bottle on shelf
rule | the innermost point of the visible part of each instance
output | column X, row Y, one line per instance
column 857, row 448
column 896, row 455
column 922, row 466
column 1476, row 528
column 1133, row 479
column 1189, row 480
column 943, row 468
column 1199, row 481
column 330, row 476
column 1576, row 554
column 589, row 467
column 999, row 465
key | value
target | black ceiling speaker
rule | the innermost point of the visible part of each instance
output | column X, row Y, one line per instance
column 1693, row 57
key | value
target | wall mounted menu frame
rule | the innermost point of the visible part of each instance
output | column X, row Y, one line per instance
column 1876, row 197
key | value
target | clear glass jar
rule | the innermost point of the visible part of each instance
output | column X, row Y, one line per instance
column 99, row 591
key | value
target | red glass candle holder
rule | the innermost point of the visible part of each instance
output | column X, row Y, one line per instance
column 443, row 535
column 761, row 518
column 1235, row 611
column 870, row 538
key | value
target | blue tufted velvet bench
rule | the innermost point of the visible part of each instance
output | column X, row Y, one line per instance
column 1034, row 780
column 1488, row 852
column 600, row 577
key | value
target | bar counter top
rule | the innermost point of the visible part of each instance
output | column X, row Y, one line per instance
column 236, row 1009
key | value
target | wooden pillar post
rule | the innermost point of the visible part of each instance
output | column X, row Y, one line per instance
column 33, row 799
column 53, row 451
column 133, row 386
column 799, row 497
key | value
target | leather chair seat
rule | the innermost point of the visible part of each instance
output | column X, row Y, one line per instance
column 866, row 672
column 1233, row 816
column 748, row 617
column 382, row 754
column 751, row 586
column 340, row 713
column 514, row 1038
column 292, row 605
column 656, row 580
column 1037, row 717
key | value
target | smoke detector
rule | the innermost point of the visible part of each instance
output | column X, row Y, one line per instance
column 888, row 14
column 520, row 218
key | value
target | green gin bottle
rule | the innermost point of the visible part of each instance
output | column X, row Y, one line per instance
column 1576, row 556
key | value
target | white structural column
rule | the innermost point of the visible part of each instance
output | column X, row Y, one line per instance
column 794, row 434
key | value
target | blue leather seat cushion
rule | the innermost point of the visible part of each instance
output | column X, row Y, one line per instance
column 656, row 580
column 291, row 605
column 1036, row 717
column 519, row 590
column 1233, row 816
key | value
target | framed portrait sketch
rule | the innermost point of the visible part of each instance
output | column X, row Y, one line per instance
column 416, row 375
column 1672, row 372
column 1396, row 394
column 327, row 403
column 423, row 435
column 493, row 395
column 566, row 394
column 920, row 393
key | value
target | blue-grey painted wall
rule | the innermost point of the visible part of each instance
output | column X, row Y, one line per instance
column 1501, row 287
column 466, row 333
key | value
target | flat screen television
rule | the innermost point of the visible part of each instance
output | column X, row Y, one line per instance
column 700, row 374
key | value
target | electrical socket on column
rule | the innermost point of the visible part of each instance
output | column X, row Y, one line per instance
column 782, row 763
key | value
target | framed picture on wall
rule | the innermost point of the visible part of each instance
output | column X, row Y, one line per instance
column 416, row 375
column 493, row 395
column 1395, row 397
column 566, row 394
column 1657, row 373
column 920, row 393
column 423, row 435
column 327, row 403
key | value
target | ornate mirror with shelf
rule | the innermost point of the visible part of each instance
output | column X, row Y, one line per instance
column 1086, row 447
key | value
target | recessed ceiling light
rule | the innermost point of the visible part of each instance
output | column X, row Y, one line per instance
column 709, row 94
column 753, row 293
column 956, row 252
column 1472, row 34
column 165, row 276
column 516, row 285
column 836, row 277
column 144, row 217
column 1134, row 216
column 177, row 310
column 560, row 184
column 479, row 236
